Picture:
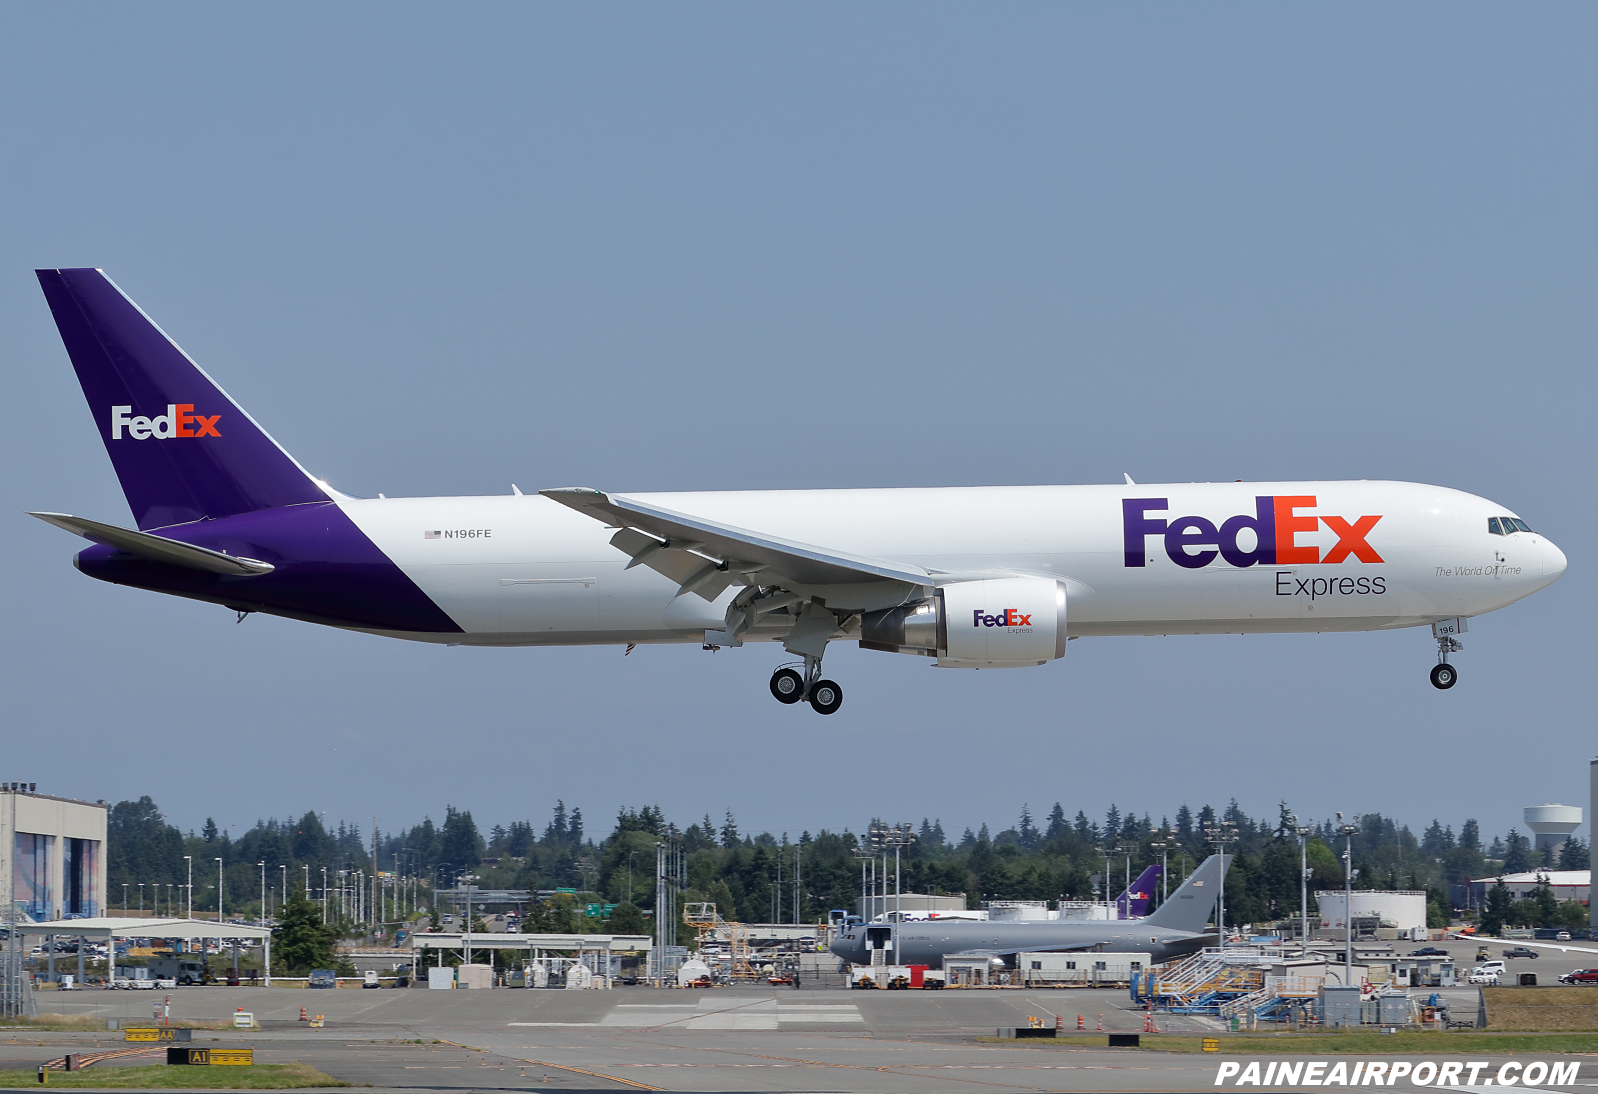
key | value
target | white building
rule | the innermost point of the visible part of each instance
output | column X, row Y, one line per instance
column 53, row 852
column 1566, row 884
column 1401, row 908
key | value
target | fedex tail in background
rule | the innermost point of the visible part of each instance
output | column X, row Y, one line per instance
column 1134, row 902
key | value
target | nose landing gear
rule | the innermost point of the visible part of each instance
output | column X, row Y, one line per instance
column 1444, row 675
column 788, row 687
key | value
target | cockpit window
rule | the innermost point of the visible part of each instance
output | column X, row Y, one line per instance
column 1503, row 526
column 1492, row 526
column 1520, row 524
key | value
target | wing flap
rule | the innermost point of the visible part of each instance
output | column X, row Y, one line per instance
column 157, row 548
column 678, row 545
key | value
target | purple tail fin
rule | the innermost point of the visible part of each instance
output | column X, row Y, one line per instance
column 183, row 450
column 1134, row 903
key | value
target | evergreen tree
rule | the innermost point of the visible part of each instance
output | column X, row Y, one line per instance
column 1085, row 830
column 208, row 833
column 1517, row 854
column 1498, row 911
column 1432, row 842
column 1574, row 855
column 460, row 845
column 1057, row 823
column 1470, row 835
column 1027, row 831
column 729, row 831
column 301, row 941
column 937, row 833
column 1184, row 822
column 555, row 833
column 1112, row 824
column 574, row 828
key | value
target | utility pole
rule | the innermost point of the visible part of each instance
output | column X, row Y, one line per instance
column 190, row 860
column 1303, row 831
column 1220, row 834
column 1348, row 832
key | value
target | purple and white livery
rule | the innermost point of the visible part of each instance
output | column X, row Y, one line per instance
column 967, row 577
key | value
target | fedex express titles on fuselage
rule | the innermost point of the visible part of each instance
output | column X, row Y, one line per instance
column 967, row 577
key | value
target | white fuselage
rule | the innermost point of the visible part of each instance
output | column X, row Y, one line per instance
column 525, row 570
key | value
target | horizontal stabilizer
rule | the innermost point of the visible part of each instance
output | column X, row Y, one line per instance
column 157, row 548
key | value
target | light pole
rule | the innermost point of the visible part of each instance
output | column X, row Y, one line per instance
column 284, row 867
column 324, row 894
column 1303, row 831
column 190, row 860
column 1348, row 832
column 1164, row 845
column 219, row 891
column 141, row 899
column 1221, row 834
column 262, row 865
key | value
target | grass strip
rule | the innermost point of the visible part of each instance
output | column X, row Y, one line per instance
column 293, row 1076
column 1412, row 1043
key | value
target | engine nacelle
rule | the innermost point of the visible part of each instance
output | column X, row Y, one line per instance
column 1002, row 622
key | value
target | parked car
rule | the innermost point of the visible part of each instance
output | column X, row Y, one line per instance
column 1520, row 951
column 1484, row 976
column 1428, row 951
column 1562, row 936
column 1580, row 976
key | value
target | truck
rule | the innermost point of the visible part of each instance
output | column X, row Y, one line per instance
column 184, row 970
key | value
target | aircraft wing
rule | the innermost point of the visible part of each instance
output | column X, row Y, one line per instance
column 705, row 557
column 1562, row 947
column 157, row 548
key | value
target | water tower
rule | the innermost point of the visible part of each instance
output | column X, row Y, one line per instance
column 1552, row 824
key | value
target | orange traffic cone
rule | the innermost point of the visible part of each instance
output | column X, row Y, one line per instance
column 1059, row 1022
column 1101, row 1021
column 303, row 1016
column 1081, row 1023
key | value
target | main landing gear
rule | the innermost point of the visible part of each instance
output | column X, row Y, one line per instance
column 788, row 686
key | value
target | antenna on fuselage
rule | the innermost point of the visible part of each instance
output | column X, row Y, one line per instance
column 1129, row 481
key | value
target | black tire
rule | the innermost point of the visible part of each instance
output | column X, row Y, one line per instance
column 1444, row 677
column 787, row 686
column 826, row 697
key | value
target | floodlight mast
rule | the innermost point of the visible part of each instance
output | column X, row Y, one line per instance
column 1348, row 832
column 1220, row 834
column 1303, row 831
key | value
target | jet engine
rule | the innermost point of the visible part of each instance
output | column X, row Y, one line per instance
column 1006, row 622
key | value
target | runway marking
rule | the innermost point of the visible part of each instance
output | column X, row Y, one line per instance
column 714, row 1013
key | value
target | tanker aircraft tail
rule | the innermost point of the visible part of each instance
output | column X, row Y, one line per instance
column 1189, row 907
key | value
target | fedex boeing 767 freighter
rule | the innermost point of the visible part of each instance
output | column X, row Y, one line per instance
column 979, row 577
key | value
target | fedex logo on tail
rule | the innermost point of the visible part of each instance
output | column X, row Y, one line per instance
column 178, row 421
column 1194, row 542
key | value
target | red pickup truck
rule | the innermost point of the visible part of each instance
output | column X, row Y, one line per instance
column 1580, row 976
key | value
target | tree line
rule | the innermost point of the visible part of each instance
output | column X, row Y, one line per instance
column 760, row 877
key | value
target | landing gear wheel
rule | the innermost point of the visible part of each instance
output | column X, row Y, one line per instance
column 787, row 686
column 1444, row 677
column 826, row 697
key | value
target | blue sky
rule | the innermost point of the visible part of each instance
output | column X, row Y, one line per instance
column 437, row 249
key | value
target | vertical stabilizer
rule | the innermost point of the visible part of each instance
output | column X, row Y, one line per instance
column 183, row 450
column 1134, row 902
column 1190, row 906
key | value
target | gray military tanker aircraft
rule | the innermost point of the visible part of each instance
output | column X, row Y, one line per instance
column 1176, row 928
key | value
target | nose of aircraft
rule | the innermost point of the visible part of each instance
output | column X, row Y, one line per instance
column 1554, row 560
